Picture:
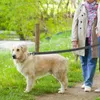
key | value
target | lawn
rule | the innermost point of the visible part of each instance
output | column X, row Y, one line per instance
column 12, row 83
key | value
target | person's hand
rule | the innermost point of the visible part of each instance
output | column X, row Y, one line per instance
column 75, row 44
column 98, row 35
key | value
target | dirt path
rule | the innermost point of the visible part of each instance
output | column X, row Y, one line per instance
column 75, row 93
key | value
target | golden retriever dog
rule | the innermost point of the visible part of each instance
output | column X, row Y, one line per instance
column 32, row 66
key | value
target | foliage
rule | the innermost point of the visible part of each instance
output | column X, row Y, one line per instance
column 22, row 15
column 98, row 98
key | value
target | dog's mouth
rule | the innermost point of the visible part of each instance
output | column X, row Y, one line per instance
column 14, row 56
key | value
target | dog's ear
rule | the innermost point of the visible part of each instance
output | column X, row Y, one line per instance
column 24, row 48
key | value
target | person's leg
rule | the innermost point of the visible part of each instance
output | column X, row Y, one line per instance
column 98, row 89
column 83, row 60
column 91, row 66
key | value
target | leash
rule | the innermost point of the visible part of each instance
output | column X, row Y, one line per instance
column 68, row 50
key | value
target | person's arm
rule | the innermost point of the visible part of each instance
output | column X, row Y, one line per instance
column 75, row 28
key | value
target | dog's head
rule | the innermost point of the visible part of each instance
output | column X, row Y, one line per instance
column 19, row 51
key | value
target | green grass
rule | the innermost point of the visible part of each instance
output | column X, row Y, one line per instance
column 12, row 83
column 98, row 98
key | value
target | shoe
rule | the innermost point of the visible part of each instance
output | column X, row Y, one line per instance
column 87, row 89
column 97, row 90
column 83, row 86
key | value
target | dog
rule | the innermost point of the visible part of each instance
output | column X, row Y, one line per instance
column 32, row 66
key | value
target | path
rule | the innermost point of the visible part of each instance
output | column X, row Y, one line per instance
column 75, row 93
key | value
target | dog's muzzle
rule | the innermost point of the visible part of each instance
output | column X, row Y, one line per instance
column 14, row 56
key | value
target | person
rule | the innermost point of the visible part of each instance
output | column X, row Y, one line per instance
column 98, row 35
column 84, row 33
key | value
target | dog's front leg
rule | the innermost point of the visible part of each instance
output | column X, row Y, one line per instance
column 29, row 80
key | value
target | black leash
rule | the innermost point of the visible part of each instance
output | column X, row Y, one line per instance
column 68, row 50
column 62, row 51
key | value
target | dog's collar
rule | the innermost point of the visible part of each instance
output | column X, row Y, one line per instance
column 32, row 53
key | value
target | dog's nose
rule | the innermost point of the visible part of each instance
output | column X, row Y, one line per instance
column 14, row 56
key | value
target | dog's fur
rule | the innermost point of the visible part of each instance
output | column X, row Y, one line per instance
column 32, row 66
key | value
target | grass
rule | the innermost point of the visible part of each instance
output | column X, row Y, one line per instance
column 12, row 83
column 98, row 98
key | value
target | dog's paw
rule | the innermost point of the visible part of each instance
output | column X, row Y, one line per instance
column 61, row 91
column 26, row 91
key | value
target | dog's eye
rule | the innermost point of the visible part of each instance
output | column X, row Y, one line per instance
column 17, row 49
